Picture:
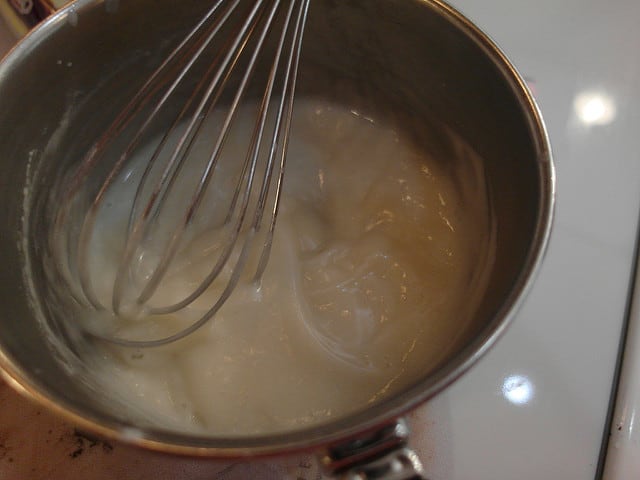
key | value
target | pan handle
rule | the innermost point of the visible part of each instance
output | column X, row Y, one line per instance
column 379, row 455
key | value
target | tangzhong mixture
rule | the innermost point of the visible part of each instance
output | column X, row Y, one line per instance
column 377, row 263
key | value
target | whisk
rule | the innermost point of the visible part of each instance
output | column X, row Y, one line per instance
column 230, row 40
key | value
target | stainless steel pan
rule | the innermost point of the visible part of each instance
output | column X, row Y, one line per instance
column 60, row 86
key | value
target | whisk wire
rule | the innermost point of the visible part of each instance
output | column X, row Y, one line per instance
column 82, row 291
column 142, row 97
column 210, row 98
column 169, row 253
column 139, row 229
column 173, row 167
column 291, row 80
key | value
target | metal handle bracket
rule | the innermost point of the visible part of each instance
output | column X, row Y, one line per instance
column 381, row 455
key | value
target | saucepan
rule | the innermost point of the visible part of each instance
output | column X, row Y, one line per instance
column 61, row 85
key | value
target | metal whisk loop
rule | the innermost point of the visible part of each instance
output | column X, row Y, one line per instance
column 143, row 96
column 279, row 141
column 291, row 80
column 245, row 217
column 175, row 164
column 84, row 292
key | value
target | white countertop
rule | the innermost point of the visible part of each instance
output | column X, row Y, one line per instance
column 536, row 406
column 564, row 343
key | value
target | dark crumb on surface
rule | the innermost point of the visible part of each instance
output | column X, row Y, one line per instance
column 76, row 453
column 84, row 441
column 82, row 437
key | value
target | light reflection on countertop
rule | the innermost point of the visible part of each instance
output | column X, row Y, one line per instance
column 518, row 389
column 594, row 108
